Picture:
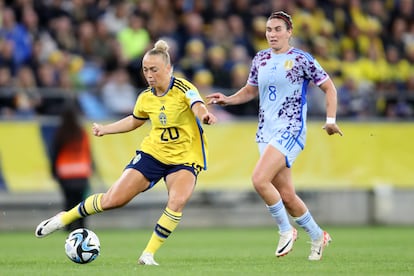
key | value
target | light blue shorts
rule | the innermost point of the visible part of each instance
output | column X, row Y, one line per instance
column 287, row 144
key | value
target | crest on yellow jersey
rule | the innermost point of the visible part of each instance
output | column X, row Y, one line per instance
column 163, row 118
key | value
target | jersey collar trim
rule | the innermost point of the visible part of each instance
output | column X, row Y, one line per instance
column 168, row 89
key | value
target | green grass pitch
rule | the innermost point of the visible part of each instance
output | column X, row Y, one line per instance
column 216, row 251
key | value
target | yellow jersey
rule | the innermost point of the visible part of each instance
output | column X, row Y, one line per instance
column 176, row 136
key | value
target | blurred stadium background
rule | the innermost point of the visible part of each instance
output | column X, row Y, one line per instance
column 90, row 51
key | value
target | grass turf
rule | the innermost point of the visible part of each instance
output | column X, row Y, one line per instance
column 216, row 251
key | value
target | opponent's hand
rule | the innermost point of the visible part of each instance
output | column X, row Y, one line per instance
column 332, row 129
column 97, row 129
column 217, row 98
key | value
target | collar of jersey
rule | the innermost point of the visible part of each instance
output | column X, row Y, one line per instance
column 168, row 89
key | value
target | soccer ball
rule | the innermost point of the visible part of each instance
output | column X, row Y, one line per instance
column 82, row 246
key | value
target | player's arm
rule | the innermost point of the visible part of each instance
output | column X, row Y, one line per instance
column 124, row 125
column 202, row 113
column 331, row 106
column 245, row 94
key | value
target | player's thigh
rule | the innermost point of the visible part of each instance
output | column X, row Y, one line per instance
column 130, row 184
column 271, row 161
column 180, row 185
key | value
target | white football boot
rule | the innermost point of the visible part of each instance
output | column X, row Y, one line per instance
column 318, row 246
column 49, row 226
column 147, row 259
column 286, row 241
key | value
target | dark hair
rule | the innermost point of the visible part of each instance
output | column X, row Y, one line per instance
column 70, row 127
column 283, row 16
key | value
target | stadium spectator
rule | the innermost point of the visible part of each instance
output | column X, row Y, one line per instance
column 118, row 94
column 134, row 41
column 309, row 20
column 337, row 13
column 245, row 9
column 71, row 160
column 20, row 40
column 398, row 69
column 216, row 9
column 116, row 16
column 396, row 37
column 89, row 10
column 203, row 80
column 49, row 10
column 194, row 58
column 88, row 46
column 281, row 138
column 408, row 36
column 48, row 81
column 327, row 57
column 192, row 27
column 217, row 62
column 30, row 22
column 162, row 19
column 240, row 34
column 27, row 97
column 103, row 45
column 379, row 10
column 409, row 52
column 6, row 92
column 63, row 33
column 6, row 79
column 219, row 34
column 409, row 89
column 403, row 9
column 174, row 150
column 350, row 65
column 258, row 34
column 354, row 99
column 238, row 55
column 6, row 55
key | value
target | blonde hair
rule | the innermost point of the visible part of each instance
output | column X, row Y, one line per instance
column 161, row 48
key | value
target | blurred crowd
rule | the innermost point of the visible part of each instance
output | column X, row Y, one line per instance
column 51, row 50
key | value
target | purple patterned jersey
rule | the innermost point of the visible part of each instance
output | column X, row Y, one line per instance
column 282, row 80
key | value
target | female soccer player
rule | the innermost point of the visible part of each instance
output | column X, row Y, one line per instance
column 279, row 76
column 174, row 150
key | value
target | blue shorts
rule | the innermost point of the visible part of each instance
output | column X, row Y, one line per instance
column 154, row 170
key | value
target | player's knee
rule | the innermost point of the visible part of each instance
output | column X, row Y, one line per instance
column 258, row 182
column 177, row 203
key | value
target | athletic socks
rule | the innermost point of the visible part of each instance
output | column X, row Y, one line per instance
column 307, row 222
column 278, row 212
column 164, row 227
column 89, row 206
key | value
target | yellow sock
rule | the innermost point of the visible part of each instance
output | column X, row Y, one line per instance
column 165, row 225
column 89, row 206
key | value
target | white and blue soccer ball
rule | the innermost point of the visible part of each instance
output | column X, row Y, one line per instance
column 82, row 246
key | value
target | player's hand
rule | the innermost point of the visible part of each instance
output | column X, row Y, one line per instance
column 97, row 129
column 209, row 119
column 332, row 129
column 217, row 98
